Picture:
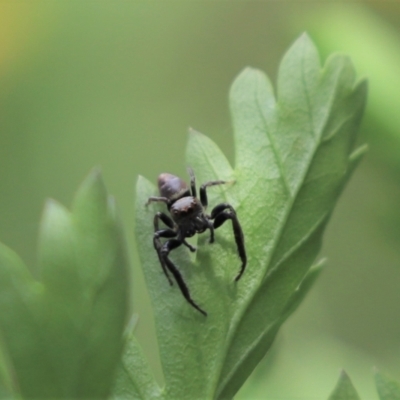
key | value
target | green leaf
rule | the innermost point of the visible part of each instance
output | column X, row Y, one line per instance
column 379, row 62
column 293, row 157
column 63, row 334
column 388, row 389
column 344, row 389
column 141, row 384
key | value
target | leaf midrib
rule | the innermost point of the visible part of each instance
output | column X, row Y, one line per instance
column 291, row 201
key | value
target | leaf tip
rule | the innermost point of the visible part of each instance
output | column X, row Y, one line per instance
column 131, row 325
column 250, row 70
column 304, row 36
column 305, row 40
column 96, row 172
column 248, row 74
column 355, row 157
column 141, row 180
column 95, row 177
column 358, row 153
column 52, row 207
column 193, row 132
column 54, row 221
column 91, row 190
column 144, row 188
column 50, row 203
column 343, row 374
column 344, row 388
column 195, row 138
column 319, row 264
column 363, row 82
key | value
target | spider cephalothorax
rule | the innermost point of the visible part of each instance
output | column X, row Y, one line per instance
column 188, row 217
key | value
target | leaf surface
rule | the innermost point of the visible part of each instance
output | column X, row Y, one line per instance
column 293, row 157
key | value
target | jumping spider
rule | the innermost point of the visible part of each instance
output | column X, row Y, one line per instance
column 188, row 217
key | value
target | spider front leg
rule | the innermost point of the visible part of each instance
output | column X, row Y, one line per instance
column 163, row 233
column 203, row 191
column 166, row 249
column 164, row 218
column 192, row 182
column 157, row 199
column 222, row 213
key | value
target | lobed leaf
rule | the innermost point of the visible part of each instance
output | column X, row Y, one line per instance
column 293, row 157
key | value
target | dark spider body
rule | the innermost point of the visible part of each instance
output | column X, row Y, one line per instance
column 188, row 217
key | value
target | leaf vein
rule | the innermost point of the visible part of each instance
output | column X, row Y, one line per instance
column 278, row 160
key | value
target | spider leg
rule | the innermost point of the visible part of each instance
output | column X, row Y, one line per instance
column 189, row 246
column 164, row 218
column 222, row 213
column 163, row 233
column 203, row 191
column 192, row 182
column 156, row 198
column 168, row 221
column 211, row 228
column 167, row 247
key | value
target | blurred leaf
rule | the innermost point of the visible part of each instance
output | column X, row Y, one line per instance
column 306, row 284
column 344, row 389
column 388, row 389
column 292, row 160
column 63, row 335
column 375, row 48
column 134, row 377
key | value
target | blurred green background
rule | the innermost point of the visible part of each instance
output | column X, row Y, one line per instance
column 118, row 83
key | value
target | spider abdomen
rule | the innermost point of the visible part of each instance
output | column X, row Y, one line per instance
column 172, row 187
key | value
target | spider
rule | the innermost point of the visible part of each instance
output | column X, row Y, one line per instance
column 187, row 217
